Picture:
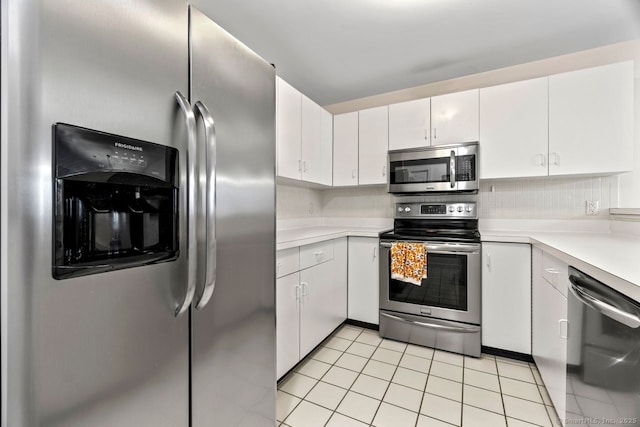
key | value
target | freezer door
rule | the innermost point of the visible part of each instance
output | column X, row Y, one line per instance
column 233, row 335
column 106, row 349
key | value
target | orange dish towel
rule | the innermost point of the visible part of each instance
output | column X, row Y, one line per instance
column 409, row 262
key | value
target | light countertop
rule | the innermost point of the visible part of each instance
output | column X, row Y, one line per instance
column 294, row 233
column 290, row 238
column 611, row 258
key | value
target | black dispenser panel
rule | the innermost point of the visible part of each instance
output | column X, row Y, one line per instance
column 116, row 202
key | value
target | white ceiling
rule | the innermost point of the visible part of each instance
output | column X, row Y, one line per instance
column 339, row 50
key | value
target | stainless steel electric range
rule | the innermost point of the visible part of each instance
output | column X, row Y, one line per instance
column 443, row 311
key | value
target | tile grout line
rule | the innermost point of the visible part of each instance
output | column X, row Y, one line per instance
column 321, row 346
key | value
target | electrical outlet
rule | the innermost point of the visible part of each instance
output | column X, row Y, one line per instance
column 593, row 206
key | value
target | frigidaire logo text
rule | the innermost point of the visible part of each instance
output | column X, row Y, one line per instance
column 127, row 146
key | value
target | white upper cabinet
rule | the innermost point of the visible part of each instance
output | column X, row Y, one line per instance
column 288, row 130
column 373, row 143
column 410, row 124
column 317, row 145
column 303, row 137
column 455, row 118
column 311, row 147
column 326, row 153
column 514, row 126
column 345, row 149
column 591, row 120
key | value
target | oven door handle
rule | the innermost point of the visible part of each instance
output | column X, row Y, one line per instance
column 461, row 329
column 442, row 248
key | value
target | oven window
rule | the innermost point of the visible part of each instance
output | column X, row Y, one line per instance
column 444, row 287
column 420, row 171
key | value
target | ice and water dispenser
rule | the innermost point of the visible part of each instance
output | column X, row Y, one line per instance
column 116, row 202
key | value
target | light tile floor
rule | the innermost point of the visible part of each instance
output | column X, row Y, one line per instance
column 355, row 378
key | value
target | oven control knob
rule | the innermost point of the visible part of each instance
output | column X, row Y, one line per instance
column 400, row 209
column 451, row 209
column 459, row 208
column 469, row 208
column 407, row 209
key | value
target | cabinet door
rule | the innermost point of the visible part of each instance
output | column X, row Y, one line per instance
column 410, row 124
column 287, row 323
column 316, row 318
column 288, row 130
column 373, row 144
column 455, row 118
column 514, row 131
column 345, row 149
column 549, row 336
column 326, row 153
column 364, row 265
column 506, row 296
column 591, row 120
column 337, row 308
column 311, row 146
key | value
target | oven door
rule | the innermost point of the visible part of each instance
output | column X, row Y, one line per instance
column 451, row 290
column 444, row 169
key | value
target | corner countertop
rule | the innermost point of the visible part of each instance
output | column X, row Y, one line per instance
column 610, row 257
column 291, row 234
column 590, row 246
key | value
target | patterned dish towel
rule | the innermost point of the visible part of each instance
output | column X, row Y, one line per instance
column 409, row 262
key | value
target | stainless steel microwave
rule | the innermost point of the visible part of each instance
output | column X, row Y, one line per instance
column 440, row 169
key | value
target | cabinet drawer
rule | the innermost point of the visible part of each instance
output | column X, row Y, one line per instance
column 555, row 272
column 316, row 253
column 287, row 262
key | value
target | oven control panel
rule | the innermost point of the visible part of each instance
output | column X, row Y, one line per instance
column 436, row 210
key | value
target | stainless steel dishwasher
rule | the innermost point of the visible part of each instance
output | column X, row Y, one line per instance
column 603, row 354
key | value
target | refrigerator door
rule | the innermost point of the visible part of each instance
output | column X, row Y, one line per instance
column 106, row 349
column 233, row 335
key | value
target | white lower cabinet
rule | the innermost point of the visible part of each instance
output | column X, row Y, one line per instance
column 288, row 324
column 506, row 296
column 312, row 302
column 364, row 288
column 549, row 322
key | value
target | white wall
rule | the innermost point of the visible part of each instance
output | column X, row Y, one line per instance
column 630, row 182
column 297, row 202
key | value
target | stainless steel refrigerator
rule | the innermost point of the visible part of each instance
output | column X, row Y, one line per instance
column 186, row 339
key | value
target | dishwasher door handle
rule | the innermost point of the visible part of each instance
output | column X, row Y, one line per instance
column 628, row 319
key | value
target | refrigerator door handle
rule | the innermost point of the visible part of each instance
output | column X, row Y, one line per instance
column 192, row 258
column 211, row 242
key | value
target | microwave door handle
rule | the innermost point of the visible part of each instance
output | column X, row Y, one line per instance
column 190, row 194
column 211, row 241
column 452, row 168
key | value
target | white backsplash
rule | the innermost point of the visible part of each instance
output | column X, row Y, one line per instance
column 362, row 202
column 547, row 198
column 533, row 198
column 297, row 202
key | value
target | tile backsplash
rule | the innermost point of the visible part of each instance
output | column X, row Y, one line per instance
column 533, row 198
column 297, row 202
column 547, row 198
